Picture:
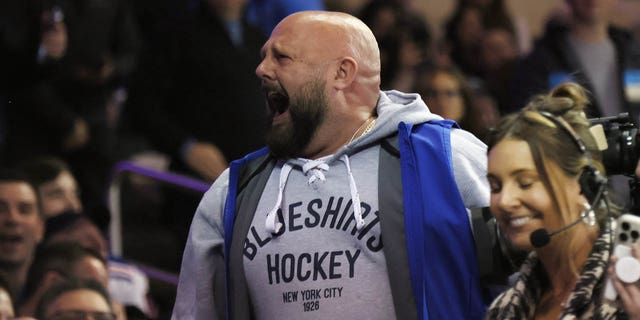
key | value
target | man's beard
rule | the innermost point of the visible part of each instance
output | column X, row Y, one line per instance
column 307, row 112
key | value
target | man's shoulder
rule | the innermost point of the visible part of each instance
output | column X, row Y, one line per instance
column 243, row 170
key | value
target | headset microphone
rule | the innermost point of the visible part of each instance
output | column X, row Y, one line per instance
column 541, row 237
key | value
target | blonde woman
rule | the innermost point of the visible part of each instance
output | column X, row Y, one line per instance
column 547, row 179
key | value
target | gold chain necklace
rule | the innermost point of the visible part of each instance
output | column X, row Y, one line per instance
column 369, row 124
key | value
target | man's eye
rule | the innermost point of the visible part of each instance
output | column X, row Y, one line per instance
column 280, row 56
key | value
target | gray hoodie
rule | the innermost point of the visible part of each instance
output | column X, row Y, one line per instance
column 311, row 254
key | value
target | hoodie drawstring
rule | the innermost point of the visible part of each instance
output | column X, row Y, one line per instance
column 314, row 169
column 355, row 196
column 272, row 224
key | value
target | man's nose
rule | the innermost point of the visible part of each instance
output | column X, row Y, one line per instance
column 263, row 70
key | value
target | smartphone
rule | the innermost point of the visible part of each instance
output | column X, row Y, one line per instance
column 627, row 233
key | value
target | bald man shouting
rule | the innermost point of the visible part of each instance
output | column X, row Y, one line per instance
column 357, row 207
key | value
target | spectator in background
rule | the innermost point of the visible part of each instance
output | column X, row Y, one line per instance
column 267, row 13
column 76, row 299
column 59, row 194
column 21, row 228
column 498, row 53
column 404, row 39
column 590, row 51
column 463, row 32
column 127, row 284
column 496, row 15
column 56, row 186
column 465, row 28
column 77, row 228
column 497, row 48
column 195, row 103
column 83, row 53
column 447, row 93
column 56, row 263
column 199, row 102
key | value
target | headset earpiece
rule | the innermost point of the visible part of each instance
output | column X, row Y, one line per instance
column 592, row 182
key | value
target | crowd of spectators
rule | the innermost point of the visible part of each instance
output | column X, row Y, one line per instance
column 84, row 84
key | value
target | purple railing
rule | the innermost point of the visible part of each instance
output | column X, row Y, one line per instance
column 115, row 228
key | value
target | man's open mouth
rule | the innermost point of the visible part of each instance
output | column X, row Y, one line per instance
column 10, row 239
column 278, row 102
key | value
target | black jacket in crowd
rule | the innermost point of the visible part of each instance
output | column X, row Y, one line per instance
column 201, row 87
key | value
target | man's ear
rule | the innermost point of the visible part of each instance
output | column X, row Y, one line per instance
column 346, row 72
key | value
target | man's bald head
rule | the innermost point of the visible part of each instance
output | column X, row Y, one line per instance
column 336, row 34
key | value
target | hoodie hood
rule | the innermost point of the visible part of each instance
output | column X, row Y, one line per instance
column 392, row 108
